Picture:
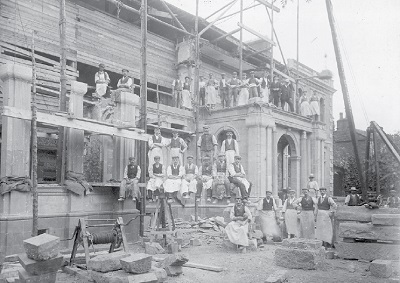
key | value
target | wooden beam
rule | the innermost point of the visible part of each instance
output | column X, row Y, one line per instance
column 237, row 12
column 225, row 35
column 173, row 15
column 258, row 52
column 269, row 5
column 256, row 33
column 195, row 265
column 76, row 123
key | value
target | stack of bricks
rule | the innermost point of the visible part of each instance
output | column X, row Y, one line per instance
column 300, row 254
column 41, row 261
column 368, row 234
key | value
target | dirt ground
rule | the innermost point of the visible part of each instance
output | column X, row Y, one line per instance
column 254, row 266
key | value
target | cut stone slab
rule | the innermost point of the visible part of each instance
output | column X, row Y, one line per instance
column 303, row 244
column 300, row 259
column 160, row 273
column 173, row 270
column 381, row 268
column 35, row 267
column 369, row 231
column 386, row 219
column 153, row 248
column 278, row 276
column 329, row 254
column 360, row 213
column 136, row 263
column 174, row 260
column 367, row 251
column 119, row 276
column 173, row 248
column 143, row 278
column 25, row 277
column 42, row 247
column 195, row 242
column 252, row 245
column 107, row 262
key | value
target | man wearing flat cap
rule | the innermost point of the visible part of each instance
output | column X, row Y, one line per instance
column 237, row 176
column 290, row 214
column 233, row 85
column 221, row 185
column 326, row 207
column 177, row 146
column 205, row 179
column 189, row 181
column 286, row 94
column 156, row 145
column 224, row 92
column 172, row 184
column 125, row 82
column 157, row 176
column 307, row 210
column 207, row 144
column 130, row 183
column 230, row 147
column 267, row 210
column 353, row 199
column 102, row 79
column 313, row 186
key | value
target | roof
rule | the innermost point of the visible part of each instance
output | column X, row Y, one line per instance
column 344, row 136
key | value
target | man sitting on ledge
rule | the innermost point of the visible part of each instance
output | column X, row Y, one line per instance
column 238, row 178
column 131, row 181
column 238, row 228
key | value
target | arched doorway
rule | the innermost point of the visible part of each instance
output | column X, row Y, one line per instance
column 287, row 163
column 222, row 136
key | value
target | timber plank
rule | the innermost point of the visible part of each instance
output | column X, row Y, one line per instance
column 360, row 213
column 369, row 231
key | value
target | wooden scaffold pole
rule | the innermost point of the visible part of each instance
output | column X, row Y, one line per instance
column 197, row 89
column 34, row 158
column 143, row 111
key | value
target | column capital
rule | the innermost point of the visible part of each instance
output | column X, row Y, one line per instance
column 78, row 88
column 15, row 71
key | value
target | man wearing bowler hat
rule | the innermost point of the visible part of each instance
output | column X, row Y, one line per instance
column 353, row 199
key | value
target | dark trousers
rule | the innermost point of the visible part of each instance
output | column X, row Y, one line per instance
column 199, row 189
column 216, row 193
column 288, row 101
column 275, row 99
column 177, row 98
column 225, row 97
column 202, row 96
column 241, row 187
column 233, row 93
column 151, row 194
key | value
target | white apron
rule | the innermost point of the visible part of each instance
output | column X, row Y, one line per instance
column 155, row 183
column 269, row 227
column 237, row 232
column 189, row 184
column 291, row 221
column 211, row 95
column 307, row 224
column 324, row 230
column 186, row 99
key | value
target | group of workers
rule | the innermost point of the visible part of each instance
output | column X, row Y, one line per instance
column 219, row 175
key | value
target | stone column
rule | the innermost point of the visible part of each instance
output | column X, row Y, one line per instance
column 259, row 145
column 295, row 174
column 75, row 142
column 16, row 135
column 322, row 164
column 285, row 167
column 125, row 112
column 275, row 162
column 270, row 153
column 15, row 152
column 303, row 161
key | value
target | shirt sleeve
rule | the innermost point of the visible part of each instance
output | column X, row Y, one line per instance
column 200, row 170
column 199, row 142
column 284, row 206
column 223, row 147
column 181, row 171
column 214, row 169
column 96, row 77
column 196, row 170
column 247, row 210
column 151, row 174
column 119, row 83
column 173, row 83
column 242, row 169
column 236, row 147
column 169, row 171
column 347, row 199
column 232, row 213
column 151, row 143
column 183, row 144
column 231, row 170
column 129, row 82
column 214, row 140
column 332, row 203
column 274, row 204
column 126, row 172
column 139, row 171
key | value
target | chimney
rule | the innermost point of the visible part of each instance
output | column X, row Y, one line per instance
column 342, row 123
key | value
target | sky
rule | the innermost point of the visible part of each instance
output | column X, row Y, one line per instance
column 369, row 37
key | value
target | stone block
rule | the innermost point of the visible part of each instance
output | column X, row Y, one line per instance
column 329, row 254
column 278, row 276
column 107, row 262
column 173, row 248
column 153, row 248
column 136, row 263
column 35, row 267
column 160, row 273
column 143, row 278
column 303, row 244
column 360, row 213
column 300, row 259
column 25, row 277
column 173, row 270
column 174, row 260
column 369, row 231
column 367, row 251
column 381, row 268
column 42, row 247
column 252, row 245
column 195, row 242
column 119, row 276
column 386, row 219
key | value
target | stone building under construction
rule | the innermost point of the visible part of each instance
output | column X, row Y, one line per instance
column 279, row 148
